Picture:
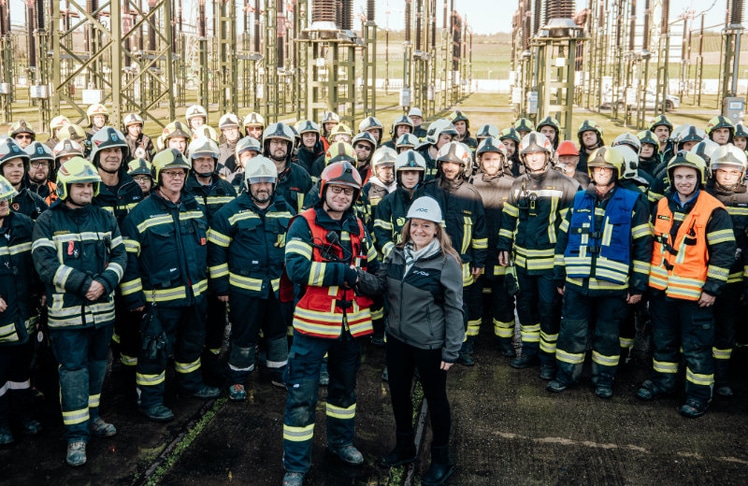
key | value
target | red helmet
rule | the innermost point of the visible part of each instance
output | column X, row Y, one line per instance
column 340, row 174
column 567, row 147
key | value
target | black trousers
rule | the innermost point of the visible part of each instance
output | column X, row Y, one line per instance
column 402, row 360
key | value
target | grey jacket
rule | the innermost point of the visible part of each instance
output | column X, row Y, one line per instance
column 425, row 305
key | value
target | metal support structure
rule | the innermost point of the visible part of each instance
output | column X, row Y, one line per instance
column 556, row 46
column 147, row 83
column 227, row 75
column 7, row 85
column 370, row 68
column 663, row 57
column 203, row 88
column 331, row 76
column 269, row 71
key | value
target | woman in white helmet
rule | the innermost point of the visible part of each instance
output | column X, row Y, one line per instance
column 422, row 281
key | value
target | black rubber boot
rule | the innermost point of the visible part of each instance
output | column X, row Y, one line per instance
column 441, row 467
column 403, row 453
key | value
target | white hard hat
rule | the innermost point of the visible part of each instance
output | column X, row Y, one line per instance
column 415, row 112
column 425, row 208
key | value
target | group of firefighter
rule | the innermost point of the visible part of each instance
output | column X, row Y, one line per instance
column 150, row 248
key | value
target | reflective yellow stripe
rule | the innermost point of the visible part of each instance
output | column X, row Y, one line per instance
column 185, row 368
column 149, row 380
column 75, row 417
column 602, row 359
column 218, row 271
column 94, row 400
column 300, row 248
column 298, row 434
column 571, row 358
column 132, row 286
column 218, row 238
column 317, row 274
column 132, row 246
column 341, row 413
column 253, row 284
column 664, row 366
column 503, row 329
column 699, row 379
column 155, row 221
column 530, row 333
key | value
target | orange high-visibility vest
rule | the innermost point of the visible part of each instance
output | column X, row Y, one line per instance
column 680, row 267
column 324, row 311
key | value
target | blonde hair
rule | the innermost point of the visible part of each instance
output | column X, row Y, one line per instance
column 445, row 242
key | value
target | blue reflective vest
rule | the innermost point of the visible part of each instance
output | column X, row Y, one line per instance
column 605, row 252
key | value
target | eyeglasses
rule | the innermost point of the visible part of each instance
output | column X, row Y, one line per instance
column 38, row 163
column 365, row 147
column 348, row 191
column 175, row 175
column 23, row 135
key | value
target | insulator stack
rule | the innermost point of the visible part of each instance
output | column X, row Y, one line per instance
column 408, row 8
column 645, row 31
column 346, row 15
column 92, row 5
column 665, row 16
column 735, row 11
column 324, row 11
column 4, row 19
column 40, row 14
column 558, row 9
column 371, row 10
column 201, row 27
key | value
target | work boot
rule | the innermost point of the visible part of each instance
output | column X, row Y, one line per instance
column 649, row 391
column 524, row 361
column 507, row 348
column 440, row 469
column 555, row 386
column 99, row 428
column 6, row 437
column 348, row 454
column 237, row 392
column 724, row 391
column 547, row 372
column 466, row 352
column 76, row 455
column 603, row 391
column 293, row 479
column 377, row 339
column 403, row 453
column 158, row 413
column 31, row 427
column 204, row 391
column 693, row 408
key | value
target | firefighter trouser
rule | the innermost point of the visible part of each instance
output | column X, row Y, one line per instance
column 472, row 309
column 581, row 314
column 677, row 324
column 501, row 307
column 185, row 334
column 82, row 355
column 248, row 316
column 727, row 311
column 302, row 383
column 126, row 334
column 539, row 312
column 16, row 399
column 402, row 361
column 216, row 324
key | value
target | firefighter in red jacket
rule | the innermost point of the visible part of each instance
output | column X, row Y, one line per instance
column 327, row 250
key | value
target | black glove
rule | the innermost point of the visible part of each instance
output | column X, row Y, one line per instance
column 351, row 275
